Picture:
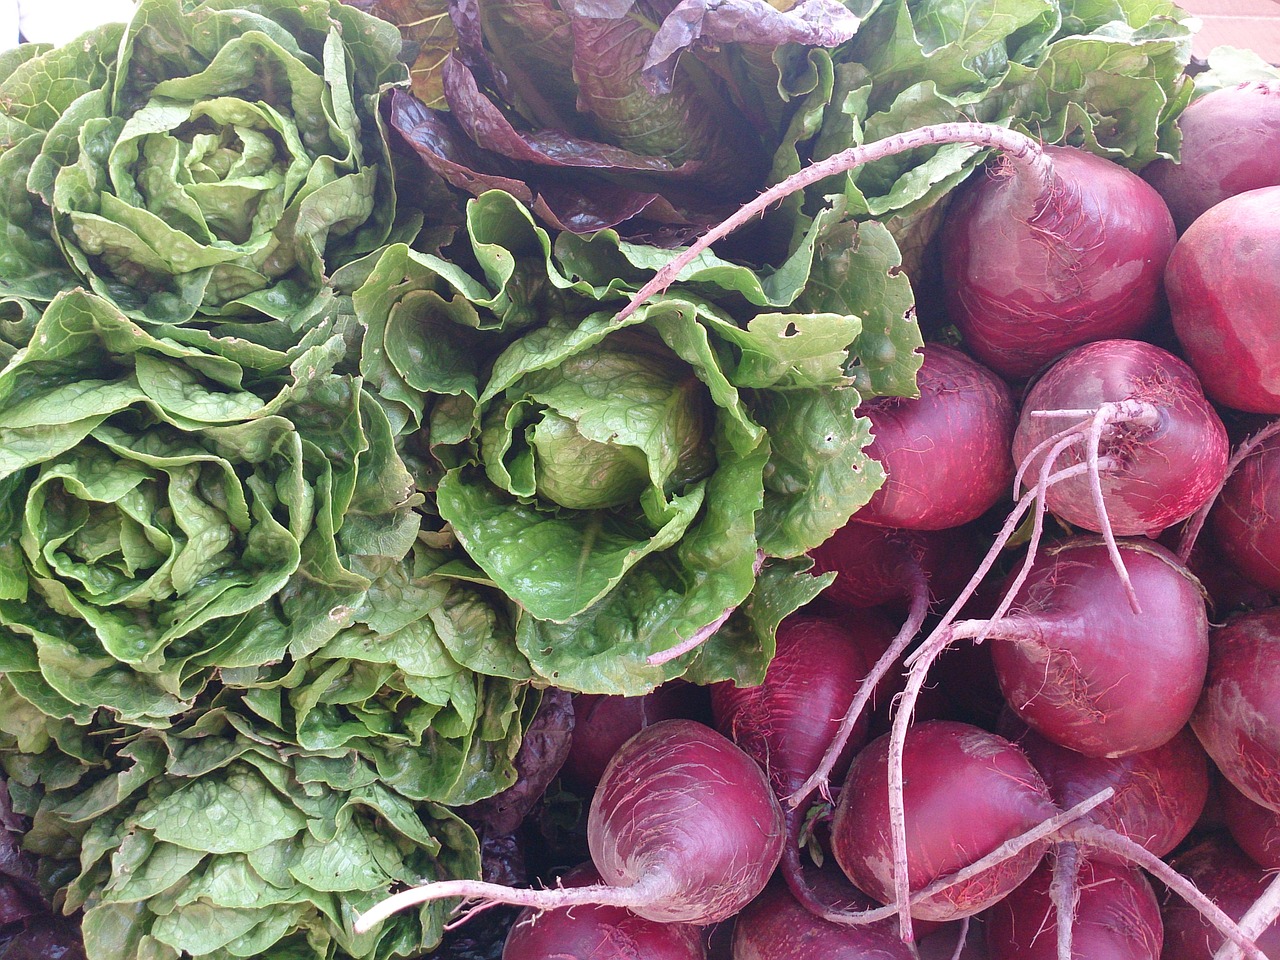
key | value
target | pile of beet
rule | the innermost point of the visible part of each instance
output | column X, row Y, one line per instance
column 1037, row 713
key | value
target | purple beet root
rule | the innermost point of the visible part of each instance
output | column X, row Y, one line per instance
column 1117, row 917
column 1162, row 469
column 1238, row 717
column 1246, row 519
column 1030, row 274
column 1228, row 878
column 966, row 792
column 593, row 931
column 1223, row 284
column 1230, row 144
column 929, row 446
column 1079, row 666
column 775, row 926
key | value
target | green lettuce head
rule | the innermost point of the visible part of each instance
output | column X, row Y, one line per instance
column 630, row 485
column 161, row 521
column 211, row 841
column 624, row 423
column 212, row 158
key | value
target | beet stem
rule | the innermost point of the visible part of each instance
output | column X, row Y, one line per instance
column 964, row 939
column 1104, row 838
column 933, row 647
column 1108, row 414
column 1065, row 891
column 1037, row 533
column 703, row 635
column 1075, row 430
column 1192, row 530
column 1020, row 149
column 649, row 890
column 1264, row 912
column 818, row 780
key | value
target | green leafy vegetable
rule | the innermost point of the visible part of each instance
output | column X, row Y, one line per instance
column 619, row 482
column 207, row 841
column 165, row 520
column 209, row 158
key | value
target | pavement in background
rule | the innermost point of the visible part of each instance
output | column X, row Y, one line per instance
column 1247, row 24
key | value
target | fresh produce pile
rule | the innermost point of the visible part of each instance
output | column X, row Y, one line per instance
column 423, row 425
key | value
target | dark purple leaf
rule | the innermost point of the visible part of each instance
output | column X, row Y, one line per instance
column 823, row 23
column 694, row 121
column 46, row 937
column 485, row 125
column 583, row 205
column 435, row 137
column 531, row 63
column 542, row 753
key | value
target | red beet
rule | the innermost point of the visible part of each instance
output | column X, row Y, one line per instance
column 1117, row 918
column 1159, row 793
column 878, row 566
column 787, row 723
column 776, row 926
column 1230, row 144
column 929, row 446
column 1238, row 717
column 604, row 723
column 1081, row 668
column 592, row 931
column 1246, row 519
column 966, row 792
column 683, row 812
column 1028, row 274
column 683, row 828
column 1223, row 283
column 1255, row 828
column 1163, row 468
column 1231, row 880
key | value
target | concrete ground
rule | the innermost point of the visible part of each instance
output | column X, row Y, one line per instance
column 1247, row 24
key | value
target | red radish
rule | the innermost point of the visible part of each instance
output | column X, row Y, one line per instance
column 1159, row 793
column 929, row 445
column 1028, row 274
column 966, row 792
column 1117, row 917
column 1246, row 518
column 776, row 926
column 1167, row 459
column 787, row 723
column 1223, row 281
column 1231, row 880
column 602, row 724
column 1238, row 717
column 1087, row 672
column 683, row 828
column 1255, row 828
column 1230, row 144
column 592, row 931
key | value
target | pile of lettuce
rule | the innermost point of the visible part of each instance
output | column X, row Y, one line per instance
column 324, row 458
